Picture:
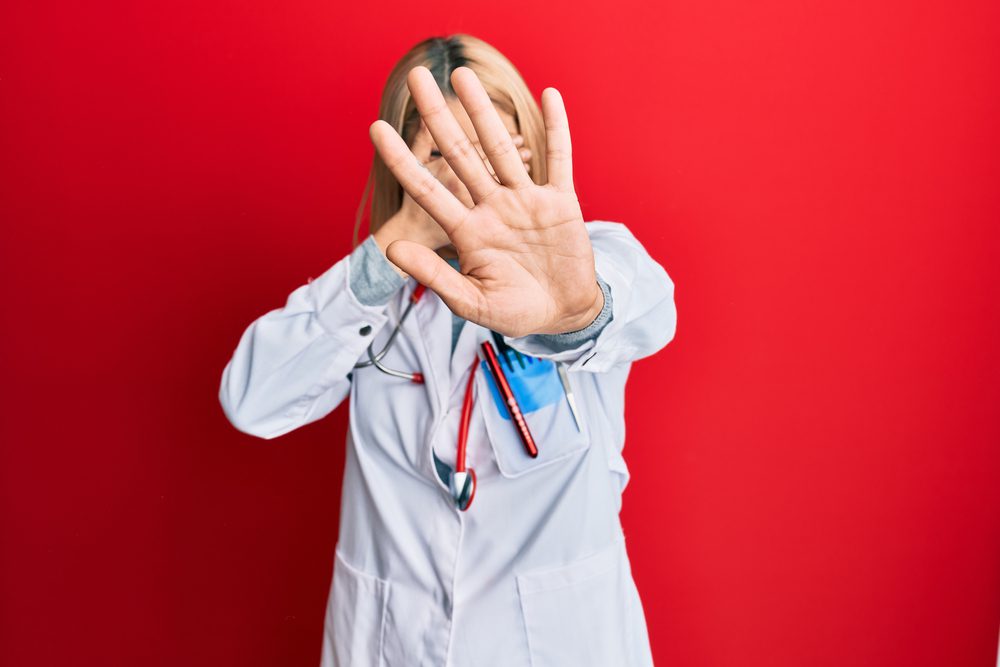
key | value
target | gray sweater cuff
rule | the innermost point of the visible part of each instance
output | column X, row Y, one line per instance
column 570, row 339
column 373, row 278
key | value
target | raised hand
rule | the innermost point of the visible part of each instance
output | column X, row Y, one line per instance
column 527, row 265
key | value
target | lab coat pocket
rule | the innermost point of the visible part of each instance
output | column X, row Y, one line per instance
column 356, row 614
column 546, row 411
column 578, row 614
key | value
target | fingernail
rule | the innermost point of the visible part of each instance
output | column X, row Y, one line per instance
column 525, row 153
column 518, row 139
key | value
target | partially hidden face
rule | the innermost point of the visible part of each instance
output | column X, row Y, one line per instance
column 470, row 131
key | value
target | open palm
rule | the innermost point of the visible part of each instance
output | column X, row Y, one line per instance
column 527, row 265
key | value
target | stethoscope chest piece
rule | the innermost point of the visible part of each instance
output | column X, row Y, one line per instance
column 463, row 487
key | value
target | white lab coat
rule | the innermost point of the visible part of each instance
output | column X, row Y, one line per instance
column 536, row 572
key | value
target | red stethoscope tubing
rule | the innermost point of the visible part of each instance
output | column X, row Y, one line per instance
column 463, row 435
column 463, row 426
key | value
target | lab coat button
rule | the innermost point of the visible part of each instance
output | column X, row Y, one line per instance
column 365, row 330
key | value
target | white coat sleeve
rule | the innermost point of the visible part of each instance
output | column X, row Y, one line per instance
column 644, row 315
column 291, row 366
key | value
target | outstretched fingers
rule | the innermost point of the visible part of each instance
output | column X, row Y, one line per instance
column 493, row 135
column 558, row 147
column 416, row 179
column 428, row 268
column 455, row 145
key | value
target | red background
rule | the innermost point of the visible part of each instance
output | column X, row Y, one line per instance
column 815, row 456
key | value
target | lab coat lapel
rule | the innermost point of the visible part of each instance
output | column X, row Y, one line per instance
column 435, row 336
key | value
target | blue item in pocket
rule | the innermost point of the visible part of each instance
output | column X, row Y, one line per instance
column 534, row 381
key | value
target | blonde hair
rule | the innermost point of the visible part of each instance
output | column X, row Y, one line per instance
column 442, row 55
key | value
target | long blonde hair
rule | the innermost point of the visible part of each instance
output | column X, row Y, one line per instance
column 441, row 55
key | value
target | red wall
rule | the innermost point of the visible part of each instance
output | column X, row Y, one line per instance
column 815, row 456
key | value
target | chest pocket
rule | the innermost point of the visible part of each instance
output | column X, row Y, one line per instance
column 544, row 405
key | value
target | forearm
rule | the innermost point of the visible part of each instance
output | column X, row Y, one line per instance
column 292, row 364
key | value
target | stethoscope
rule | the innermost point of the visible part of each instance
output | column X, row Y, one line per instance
column 375, row 359
column 463, row 479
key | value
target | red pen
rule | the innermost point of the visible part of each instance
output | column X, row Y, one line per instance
column 493, row 362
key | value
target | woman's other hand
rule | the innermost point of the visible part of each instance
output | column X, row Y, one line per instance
column 527, row 263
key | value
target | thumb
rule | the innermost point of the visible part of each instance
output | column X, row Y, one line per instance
column 428, row 268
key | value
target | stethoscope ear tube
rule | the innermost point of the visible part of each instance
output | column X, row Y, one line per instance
column 412, row 377
column 375, row 359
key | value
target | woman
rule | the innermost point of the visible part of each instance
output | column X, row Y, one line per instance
column 459, row 544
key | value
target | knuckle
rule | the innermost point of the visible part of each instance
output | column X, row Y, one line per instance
column 395, row 164
column 436, row 109
column 501, row 147
column 461, row 150
column 424, row 186
column 556, row 153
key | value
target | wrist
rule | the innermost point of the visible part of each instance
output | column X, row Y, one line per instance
column 587, row 317
column 373, row 279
